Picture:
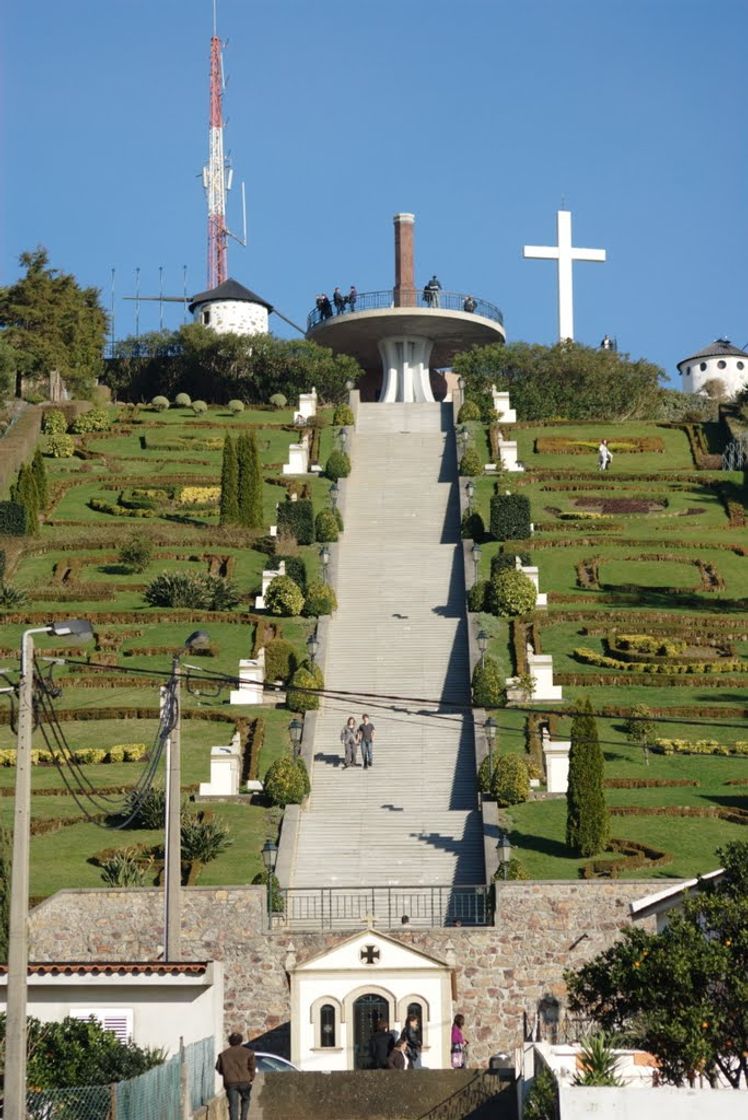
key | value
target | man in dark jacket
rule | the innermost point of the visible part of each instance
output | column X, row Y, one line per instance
column 381, row 1044
column 236, row 1066
column 397, row 1059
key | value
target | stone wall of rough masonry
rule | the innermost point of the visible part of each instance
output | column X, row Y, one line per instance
column 501, row 972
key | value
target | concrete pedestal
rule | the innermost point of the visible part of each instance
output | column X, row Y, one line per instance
column 502, row 408
column 508, row 453
column 251, row 680
column 534, row 574
column 405, row 369
column 556, row 756
column 307, row 406
column 225, row 771
column 298, row 458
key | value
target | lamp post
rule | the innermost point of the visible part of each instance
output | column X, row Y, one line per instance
column 343, row 437
column 504, row 848
column 312, row 645
column 324, row 555
column 463, row 439
column 295, row 730
column 476, row 554
column 489, row 729
column 470, row 492
column 18, row 940
column 173, row 842
column 269, row 858
column 482, row 640
column 334, row 493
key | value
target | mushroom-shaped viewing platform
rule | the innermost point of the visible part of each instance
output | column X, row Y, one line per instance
column 406, row 332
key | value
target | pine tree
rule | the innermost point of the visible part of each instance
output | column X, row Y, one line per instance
column 586, row 812
column 229, row 514
column 250, row 482
column 39, row 472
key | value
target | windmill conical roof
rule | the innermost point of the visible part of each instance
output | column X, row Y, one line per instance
column 720, row 346
column 229, row 290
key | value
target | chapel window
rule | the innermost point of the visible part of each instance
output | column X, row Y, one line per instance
column 327, row 1025
column 741, row 365
column 721, row 364
column 702, row 365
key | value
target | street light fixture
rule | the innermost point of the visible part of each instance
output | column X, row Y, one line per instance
column 324, row 555
column 18, row 938
column 504, row 848
column 269, row 858
column 312, row 645
column 343, row 437
column 295, row 730
column 489, row 729
column 476, row 554
column 482, row 639
column 334, row 495
column 470, row 492
column 461, row 383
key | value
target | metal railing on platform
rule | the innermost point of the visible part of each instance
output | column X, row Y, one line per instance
column 389, row 907
column 418, row 298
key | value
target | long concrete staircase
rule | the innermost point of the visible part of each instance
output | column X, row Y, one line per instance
column 398, row 645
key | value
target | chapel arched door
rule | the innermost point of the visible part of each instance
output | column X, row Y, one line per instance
column 367, row 1011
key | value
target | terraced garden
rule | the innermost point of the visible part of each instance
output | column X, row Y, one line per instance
column 653, row 549
column 72, row 569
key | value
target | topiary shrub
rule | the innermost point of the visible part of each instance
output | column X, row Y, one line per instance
column 277, row 903
column 511, row 593
column 136, row 554
column 278, row 400
column 95, row 420
column 281, row 661
column 510, row 517
column 515, row 870
column 338, row 465
column 286, row 781
column 60, row 447
column 236, row 407
column 505, row 561
column 510, row 784
column 472, row 527
column 302, row 693
column 54, row 422
column 468, row 411
column 199, row 592
column 12, row 519
column 295, row 568
column 296, row 519
column 343, row 416
column 471, row 464
column 160, row 404
column 320, row 599
column 284, row 597
column 486, row 772
column 199, row 407
column 476, row 596
column 182, row 400
column 326, row 526
column 488, row 684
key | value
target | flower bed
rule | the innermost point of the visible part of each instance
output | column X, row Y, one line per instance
column 700, row 746
column 560, row 445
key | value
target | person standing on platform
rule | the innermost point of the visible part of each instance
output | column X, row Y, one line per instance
column 366, row 739
column 352, row 297
column 339, row 300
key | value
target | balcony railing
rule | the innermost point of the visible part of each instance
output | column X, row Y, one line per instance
column 390, row 907
column 422, row 299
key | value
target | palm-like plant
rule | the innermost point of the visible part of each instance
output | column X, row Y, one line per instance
column 598, row 1061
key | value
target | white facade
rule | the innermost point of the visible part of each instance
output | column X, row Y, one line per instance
column 232, row 316
column 721, row 361
column 154, row 1010
column 332, row 987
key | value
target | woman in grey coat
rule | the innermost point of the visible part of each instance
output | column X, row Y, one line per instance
column 349, row 739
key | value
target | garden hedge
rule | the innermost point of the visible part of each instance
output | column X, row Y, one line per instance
column 296, row 519
column 510, row 517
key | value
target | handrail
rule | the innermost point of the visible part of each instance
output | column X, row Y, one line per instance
column 424, row 299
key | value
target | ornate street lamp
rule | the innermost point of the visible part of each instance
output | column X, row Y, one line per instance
column 334, row 493
column 324, row 555
column 504, row 848
column 482, row 639
column 312, row 645
column 295, row 730
column 489, row 729
column 269, row 858
column 476, row 554
column 470, row 492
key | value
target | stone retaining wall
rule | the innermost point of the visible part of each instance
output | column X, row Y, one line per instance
column 501, row 973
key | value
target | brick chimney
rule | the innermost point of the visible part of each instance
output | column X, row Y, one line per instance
column 405, row 281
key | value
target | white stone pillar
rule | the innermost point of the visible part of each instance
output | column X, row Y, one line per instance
column 405, row 369
column 556, row 756
column 225, row 771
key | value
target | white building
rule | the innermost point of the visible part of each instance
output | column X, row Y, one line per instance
column 720, row 361
column 231, row 309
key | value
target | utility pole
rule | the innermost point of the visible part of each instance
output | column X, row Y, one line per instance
column 173, row 852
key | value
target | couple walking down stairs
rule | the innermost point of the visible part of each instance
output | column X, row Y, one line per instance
column 399, row 632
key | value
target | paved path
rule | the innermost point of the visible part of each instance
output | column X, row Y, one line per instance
column 400, row 631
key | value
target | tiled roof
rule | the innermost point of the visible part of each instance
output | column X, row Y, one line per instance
column 230, row 289
column 116, row 968
column 720, row 346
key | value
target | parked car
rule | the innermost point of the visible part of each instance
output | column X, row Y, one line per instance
column 271, row 1063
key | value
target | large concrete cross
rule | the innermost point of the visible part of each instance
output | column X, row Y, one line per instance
column 565, row 254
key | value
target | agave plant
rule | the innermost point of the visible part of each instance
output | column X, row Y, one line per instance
column 203, row 838
column 598, row 1062
column 123, row 869
column 12, row 596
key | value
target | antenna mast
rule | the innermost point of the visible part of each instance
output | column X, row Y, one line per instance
column 214, row 174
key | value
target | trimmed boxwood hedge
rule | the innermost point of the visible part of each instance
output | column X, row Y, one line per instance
column 12, row 519
column 297, row 520
column 510, row 517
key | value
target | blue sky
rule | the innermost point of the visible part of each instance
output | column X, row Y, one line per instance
column 478, row 117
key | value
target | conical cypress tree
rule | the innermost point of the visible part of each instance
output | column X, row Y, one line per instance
column 229, row 514
column 39, row 472
column 28, row 496
column 250, row 482
column 586, row 812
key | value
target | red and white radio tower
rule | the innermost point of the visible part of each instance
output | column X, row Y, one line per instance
column 217, row 173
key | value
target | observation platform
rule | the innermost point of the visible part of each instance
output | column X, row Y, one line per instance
column 406, row 333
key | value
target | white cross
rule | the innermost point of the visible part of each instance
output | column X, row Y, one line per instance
column 565, row 254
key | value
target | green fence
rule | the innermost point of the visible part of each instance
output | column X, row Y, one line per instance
column 155, row 1095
